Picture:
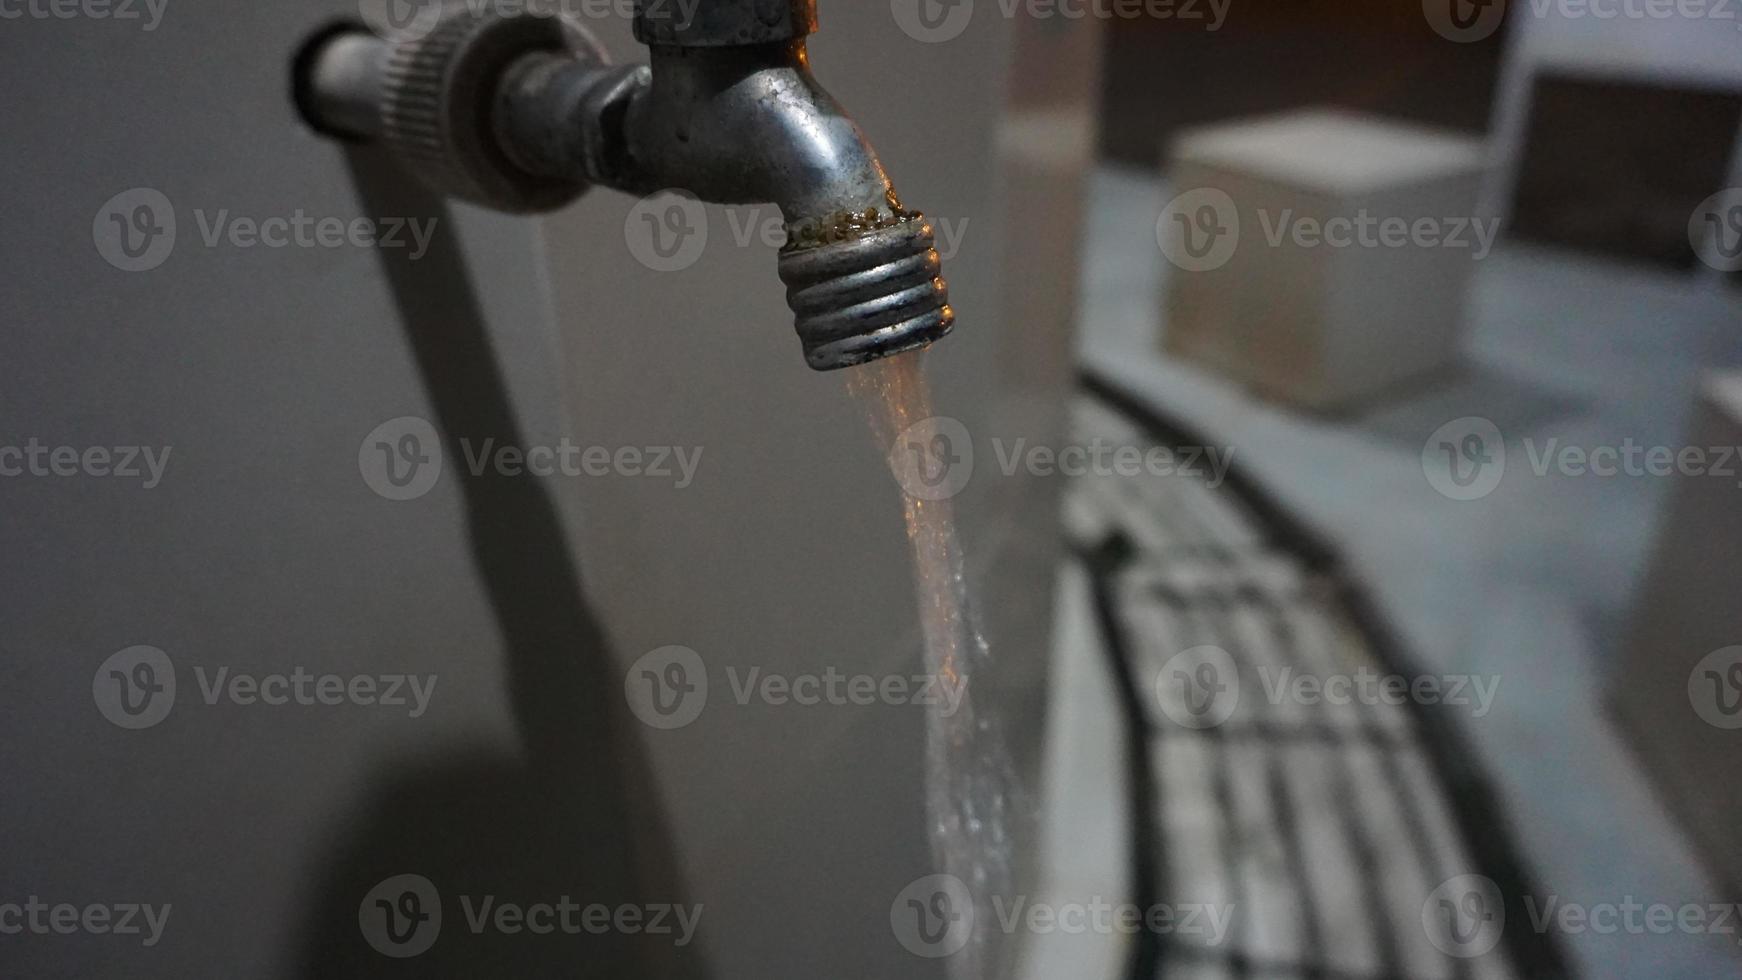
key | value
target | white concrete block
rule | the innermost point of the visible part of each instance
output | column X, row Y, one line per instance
column 1320, row 256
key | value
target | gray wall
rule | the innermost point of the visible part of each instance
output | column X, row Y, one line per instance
column 263, row 549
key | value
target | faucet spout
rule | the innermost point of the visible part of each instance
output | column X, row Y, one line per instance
column 751, row 124
column 522, row 113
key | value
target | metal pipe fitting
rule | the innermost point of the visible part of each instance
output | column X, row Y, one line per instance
column 522, row 113
column 342, row 83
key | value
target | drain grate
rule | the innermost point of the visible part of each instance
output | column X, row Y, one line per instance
column 1322, row 828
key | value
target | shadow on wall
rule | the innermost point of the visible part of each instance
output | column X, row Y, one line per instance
column 574, row 813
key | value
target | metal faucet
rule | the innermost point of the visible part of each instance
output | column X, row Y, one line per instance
column 522, row 113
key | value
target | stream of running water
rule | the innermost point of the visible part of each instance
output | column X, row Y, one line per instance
column 971, row 789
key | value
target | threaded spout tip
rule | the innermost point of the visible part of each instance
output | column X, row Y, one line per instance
column 868, row 295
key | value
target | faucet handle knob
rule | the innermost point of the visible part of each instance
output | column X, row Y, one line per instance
column 438, row 92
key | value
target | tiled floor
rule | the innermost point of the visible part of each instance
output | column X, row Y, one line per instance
column 1529, row 583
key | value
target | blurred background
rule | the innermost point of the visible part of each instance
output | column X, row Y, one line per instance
column 1429, row 427
column 1342, row 429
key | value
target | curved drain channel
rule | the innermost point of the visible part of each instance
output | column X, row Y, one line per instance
column 1325, row 830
